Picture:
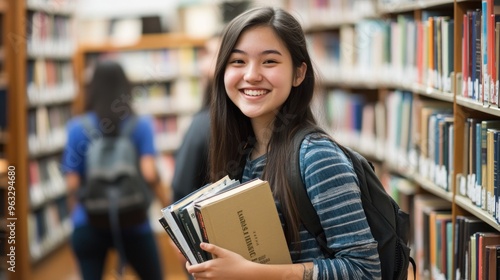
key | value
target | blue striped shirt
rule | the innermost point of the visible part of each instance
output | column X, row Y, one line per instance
column 333, row 189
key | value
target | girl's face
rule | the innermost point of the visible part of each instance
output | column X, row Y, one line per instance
column 259, row 74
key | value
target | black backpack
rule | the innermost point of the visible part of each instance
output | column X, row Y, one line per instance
column 115, row 194
column 389, row 225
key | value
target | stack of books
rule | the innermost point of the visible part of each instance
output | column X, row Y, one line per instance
column 240, row 217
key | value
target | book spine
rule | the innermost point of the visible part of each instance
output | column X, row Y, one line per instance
column 167, row 228
column 178, row 231
column 201, row 223
column 450, row 52
column 484, row 178
column 496, row 169
column 497, row 261
column 465, row 55
column 203, row 230
column 491, row 59
column 192, row 235
column 475, row 54
column 478, row 164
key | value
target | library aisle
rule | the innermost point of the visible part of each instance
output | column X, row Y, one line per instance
column 413, row 85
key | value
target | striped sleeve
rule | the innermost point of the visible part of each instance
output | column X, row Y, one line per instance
column 333, row 189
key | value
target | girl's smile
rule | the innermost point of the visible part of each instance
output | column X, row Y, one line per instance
column 254, row 92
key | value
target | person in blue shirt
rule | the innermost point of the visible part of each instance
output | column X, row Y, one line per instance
column 108, row 105
column 263, row 86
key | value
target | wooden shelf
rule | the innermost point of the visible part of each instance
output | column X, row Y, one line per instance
column 411, row 6
column 467, row 205
column 478, row 106
column 150, row 41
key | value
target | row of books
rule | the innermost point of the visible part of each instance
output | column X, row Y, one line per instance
column 49, row 81
column 400, row 52
column 153, row 65
column 46, row 181
column 49, row 35
column 425, row 238
column 240, row 217
column 355, row 119
column 48, row 227
column 47, row 129
column 466, row 249
column 481, row 162
column 412, row 134
column 480, row 53
column 398, row 107
column 435, row 150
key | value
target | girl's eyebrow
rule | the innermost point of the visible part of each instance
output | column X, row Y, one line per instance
column 272, row 51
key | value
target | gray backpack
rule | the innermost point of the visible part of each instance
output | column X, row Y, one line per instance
column 115, row 191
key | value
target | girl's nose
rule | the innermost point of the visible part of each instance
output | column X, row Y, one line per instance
column 252, row 74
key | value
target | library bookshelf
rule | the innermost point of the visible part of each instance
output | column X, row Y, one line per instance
column 407, row 84
column 37, row 34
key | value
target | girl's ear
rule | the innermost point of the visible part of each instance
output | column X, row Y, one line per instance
column 300, row 74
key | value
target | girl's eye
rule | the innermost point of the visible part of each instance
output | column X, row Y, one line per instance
column 236, row 61
column 270, row 61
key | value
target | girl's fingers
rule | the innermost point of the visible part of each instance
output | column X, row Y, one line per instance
column 211, row 248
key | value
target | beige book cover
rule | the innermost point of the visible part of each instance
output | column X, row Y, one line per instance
column 245, row 220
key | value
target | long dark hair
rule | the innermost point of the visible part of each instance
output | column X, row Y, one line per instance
column 231, row 130
column 109, row 95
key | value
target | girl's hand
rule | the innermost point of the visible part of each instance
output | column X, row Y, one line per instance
column 225, row 265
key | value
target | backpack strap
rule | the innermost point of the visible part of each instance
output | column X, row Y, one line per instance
column 308, row 215
column 247, row 148
column 128, row 126
column 88, row 124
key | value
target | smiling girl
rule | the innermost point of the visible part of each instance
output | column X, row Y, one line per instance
column 264, row 84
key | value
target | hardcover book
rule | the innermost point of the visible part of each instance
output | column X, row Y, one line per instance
column 245, row 220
